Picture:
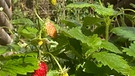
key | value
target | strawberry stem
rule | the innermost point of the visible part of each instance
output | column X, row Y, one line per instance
column 56, row 61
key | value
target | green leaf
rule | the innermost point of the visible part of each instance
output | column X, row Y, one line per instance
column 3, row 73
column 114, row 61
column 70, row 23
column 110, row 46
column 131, row 50
column 76, row 33
column 91, row 20
column 96, row 69
column 28, row 32
column 53, row 73
column 101, row 10
column 3, row 49
column 20, row 64
column 90, row 67
column 78, row 5
column 22, row 21
column 125, row 32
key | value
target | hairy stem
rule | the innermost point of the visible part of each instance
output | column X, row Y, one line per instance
column 107, row 22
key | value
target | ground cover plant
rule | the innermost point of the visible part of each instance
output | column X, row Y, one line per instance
column 84, row 38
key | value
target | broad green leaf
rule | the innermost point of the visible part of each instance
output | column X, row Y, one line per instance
column 76, row 33
column 28, row 32
column 101, row 10
column 110, row 46
column 125, row 32
column 22, row 21
column 20, row 65
column 131, row 50
column 114, row 61
column 92, row 67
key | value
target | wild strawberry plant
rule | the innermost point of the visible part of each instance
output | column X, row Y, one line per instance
column 91, row 47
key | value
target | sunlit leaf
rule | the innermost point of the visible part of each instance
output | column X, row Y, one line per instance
column 77, row 34
column 20, row 65
column 110, row 46
column 101, row 10
column 28, row 32
column 114, row 61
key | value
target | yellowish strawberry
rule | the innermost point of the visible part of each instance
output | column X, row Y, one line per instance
column 50, row 29
column 64, row 74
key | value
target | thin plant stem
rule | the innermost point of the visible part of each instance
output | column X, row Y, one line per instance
column 38, row 16
column 55, row 61
column 107, row 22
column 100, row 3
column 106, row 32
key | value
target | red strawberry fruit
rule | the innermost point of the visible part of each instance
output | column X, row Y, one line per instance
column 42, row 71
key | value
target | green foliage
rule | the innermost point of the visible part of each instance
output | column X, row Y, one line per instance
column 78, row 5
column 113, row 61
column 110, row 46
column 88, row 20
column 125, row 32
column 101, row 10
column 3, row 49
column 84, row 42
column 130, row 51
column 22, row 21
column 53, row 73
column 19, row 64
column 77, row 34
column 27, row 32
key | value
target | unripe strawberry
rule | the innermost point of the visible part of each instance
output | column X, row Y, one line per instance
column 50, row 29
column 42, row 70
column 64, row 74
